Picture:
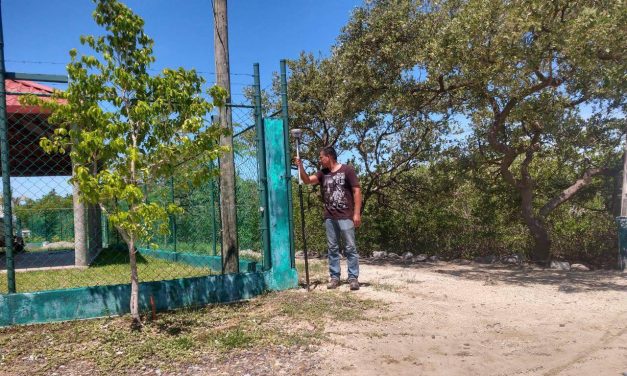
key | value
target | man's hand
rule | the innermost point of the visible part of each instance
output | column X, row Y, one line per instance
column 313, row 179
column 357, row 220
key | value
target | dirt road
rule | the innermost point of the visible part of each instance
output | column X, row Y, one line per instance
column 451, row 319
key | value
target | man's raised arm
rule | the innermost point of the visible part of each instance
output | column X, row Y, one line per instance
column 307, row 179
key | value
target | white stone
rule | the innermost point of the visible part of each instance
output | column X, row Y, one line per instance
column 421, row 258
column 581, row 267
column 560, row 265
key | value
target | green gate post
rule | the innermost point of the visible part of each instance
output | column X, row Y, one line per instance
column 262, row 168
column 6, row 173
column 282, row 275
column 288, row 161
column 214, row 223
column 622, row 242
column 172, row 216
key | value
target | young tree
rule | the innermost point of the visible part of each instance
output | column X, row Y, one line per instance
column 124, row 128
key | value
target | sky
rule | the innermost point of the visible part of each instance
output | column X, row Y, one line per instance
column 39, row 33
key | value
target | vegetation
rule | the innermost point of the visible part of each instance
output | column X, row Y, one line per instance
column 109, row 268
column 125, row 128
column 476, row 126
column 49, row 218
column 175, row 341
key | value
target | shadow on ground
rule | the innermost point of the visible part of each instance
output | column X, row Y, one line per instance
column 565, row 281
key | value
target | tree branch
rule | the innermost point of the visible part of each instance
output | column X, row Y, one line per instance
column 569, row 192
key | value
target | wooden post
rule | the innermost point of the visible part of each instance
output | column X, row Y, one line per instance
column 230, row 252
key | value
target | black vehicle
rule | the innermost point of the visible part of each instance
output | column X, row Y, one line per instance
column 18, row 241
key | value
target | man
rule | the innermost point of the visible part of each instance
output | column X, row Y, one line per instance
column 342, row 212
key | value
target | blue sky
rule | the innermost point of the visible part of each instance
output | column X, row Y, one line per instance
column 38, row 33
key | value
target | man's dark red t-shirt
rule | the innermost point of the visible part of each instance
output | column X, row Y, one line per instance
column 337, row 192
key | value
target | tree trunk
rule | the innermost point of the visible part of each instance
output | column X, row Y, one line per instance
column 230, row 252
column 132, row 252
column 542, row 242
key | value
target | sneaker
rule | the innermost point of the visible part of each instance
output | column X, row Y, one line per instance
column 333, row 283
column 354, row 283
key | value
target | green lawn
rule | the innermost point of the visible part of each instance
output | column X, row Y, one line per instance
column 110, row 268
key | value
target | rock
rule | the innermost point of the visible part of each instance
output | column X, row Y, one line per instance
column 421, row 258
column 560, row 265
column 434, row 258
column 407, row 256
column 393, row 256
column 581, row 267
column 300, row 254
column 490, row 259
column 511, row 259
column 379, row 254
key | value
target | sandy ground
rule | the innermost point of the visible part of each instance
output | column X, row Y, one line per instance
column 447, row 319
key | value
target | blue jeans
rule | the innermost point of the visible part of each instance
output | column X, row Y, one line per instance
column 345, row 228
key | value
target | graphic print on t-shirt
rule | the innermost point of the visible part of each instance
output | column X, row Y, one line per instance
column 334, row 194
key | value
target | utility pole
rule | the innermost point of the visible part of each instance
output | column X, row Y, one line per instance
column 230, row 251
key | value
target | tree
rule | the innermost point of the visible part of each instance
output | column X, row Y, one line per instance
column 125, row 128
column 529, row 78
column 383, row 139
column 48, row 217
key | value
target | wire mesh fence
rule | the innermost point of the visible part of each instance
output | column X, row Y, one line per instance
column 61, row 242
column 246, row 184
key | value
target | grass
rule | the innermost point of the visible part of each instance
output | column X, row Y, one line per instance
column 318, row 271
column 176, row 340
column 190, row 247
column 204, row 248
column 382, row 286
column 50, row 248
column 110, row 268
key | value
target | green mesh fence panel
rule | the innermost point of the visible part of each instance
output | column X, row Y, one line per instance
column 246, row 184
column 64, row 243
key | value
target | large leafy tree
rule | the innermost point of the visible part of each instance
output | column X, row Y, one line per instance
column 125, row 128
column 530, row 78
column 378, row 136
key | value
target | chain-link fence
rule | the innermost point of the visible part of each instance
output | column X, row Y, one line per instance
column 60, row 242
column 246, row 184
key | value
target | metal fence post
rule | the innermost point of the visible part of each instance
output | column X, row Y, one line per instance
column 214, row 224
column 173, row 216
column 288, row 161
column 262, row 177
column 622, row 242
column 6, row 173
